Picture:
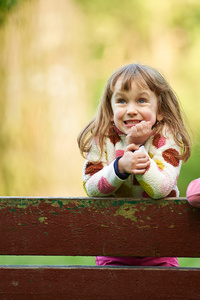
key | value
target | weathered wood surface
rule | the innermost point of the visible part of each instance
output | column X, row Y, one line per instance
column 99, row 283
column 101, row 226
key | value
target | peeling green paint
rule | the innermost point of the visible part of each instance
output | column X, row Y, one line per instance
column 143, row 226
column 55, row 213
column 171, row 226
column 42, row 219
column 127, row 211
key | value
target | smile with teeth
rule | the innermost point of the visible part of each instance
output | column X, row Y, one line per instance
column 131, row 122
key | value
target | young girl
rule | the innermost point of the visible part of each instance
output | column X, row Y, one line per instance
column 135, row 144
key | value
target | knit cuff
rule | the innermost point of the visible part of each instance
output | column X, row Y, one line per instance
column 122, row 176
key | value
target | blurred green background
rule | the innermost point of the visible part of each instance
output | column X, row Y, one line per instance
column 55, row 58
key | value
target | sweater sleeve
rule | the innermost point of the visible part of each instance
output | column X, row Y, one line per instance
column 160, row 179
column 99, row 179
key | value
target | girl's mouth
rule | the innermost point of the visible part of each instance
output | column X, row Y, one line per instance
column 131, row 122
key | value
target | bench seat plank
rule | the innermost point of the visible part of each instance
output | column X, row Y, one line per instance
column 101, row 226
column 41, row 282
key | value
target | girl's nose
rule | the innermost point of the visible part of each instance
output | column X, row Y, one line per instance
column 132, row 109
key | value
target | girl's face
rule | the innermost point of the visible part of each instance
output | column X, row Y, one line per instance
column 132, row 106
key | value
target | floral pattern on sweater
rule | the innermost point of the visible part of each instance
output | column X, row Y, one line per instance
column 159, row 180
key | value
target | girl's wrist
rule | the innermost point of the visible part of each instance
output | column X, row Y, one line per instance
column 118, row 171
column 120, row 168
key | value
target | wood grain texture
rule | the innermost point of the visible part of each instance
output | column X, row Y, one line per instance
column 98, row 283
column 101, row 226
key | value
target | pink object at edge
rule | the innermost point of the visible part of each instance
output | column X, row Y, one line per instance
column 136, row 261
column 193, row 193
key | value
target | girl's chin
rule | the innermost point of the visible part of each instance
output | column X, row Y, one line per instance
column 127, row 132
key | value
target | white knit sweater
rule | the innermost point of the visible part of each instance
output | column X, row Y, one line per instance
column 160, row 179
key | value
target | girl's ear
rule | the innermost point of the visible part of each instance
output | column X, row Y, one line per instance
column 159, row 118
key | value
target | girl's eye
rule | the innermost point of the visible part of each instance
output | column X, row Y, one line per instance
column 142, row 100
column 121, row 101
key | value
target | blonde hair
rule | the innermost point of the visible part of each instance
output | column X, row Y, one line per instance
column 101, row 126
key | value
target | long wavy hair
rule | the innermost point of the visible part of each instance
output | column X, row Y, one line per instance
column 168, row 106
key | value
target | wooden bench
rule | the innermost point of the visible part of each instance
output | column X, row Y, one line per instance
column 98, row 226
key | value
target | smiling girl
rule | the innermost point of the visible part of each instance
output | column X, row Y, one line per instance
column 135, row 145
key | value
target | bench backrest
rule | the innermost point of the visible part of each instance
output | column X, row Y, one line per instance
column 98, row 226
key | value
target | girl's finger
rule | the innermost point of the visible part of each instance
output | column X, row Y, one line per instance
column 132, row 147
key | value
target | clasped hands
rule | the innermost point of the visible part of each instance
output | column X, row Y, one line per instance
column 136, row 162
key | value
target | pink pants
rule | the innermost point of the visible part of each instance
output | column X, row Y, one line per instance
column 136, row 261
